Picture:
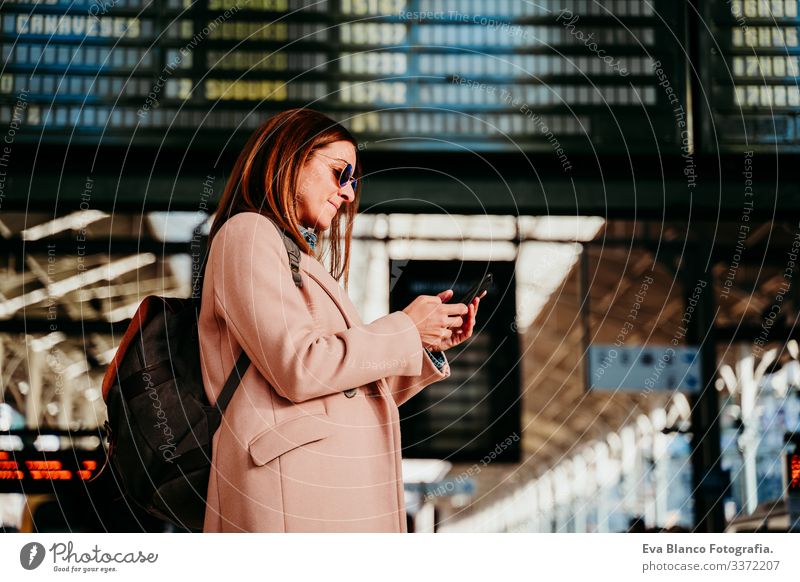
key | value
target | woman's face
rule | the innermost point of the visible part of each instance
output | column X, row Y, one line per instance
column 320, row 197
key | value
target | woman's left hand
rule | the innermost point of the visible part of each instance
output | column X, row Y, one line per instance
column 464, row 332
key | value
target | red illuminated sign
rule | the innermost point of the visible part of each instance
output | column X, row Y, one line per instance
column 793, row 463
column 19, row 470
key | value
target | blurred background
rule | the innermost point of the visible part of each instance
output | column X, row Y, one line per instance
column 627, row 170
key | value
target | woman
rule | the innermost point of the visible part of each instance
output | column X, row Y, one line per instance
column 310, row 441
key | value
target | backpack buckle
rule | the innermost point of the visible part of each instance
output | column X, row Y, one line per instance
column 109, row 432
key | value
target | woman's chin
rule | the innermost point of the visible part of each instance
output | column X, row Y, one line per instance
column 322, row 225
column 319, row 226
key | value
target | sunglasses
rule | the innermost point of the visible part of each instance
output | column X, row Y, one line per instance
column 346, row 174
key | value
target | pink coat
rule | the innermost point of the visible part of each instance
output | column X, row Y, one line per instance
column 310, row 441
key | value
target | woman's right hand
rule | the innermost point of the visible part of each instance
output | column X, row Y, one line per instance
column 434, row 318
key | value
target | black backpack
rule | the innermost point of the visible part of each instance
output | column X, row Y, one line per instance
column 160, row 422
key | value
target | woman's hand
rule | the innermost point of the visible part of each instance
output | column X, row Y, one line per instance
column 441, row 325
column 464, row 331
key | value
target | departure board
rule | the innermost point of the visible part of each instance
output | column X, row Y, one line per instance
column 475, row 411
column 754, row 64
column 551, row 76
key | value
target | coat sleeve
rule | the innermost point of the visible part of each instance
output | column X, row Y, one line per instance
column 405, row 387
column 270, row 319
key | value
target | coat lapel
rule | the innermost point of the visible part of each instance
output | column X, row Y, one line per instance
column 314, row 269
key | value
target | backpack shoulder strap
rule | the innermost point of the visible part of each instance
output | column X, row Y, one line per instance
column 243, row 362
column 293, row 250
column 232, row 383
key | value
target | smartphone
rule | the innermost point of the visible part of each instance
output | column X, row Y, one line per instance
column 477, row 289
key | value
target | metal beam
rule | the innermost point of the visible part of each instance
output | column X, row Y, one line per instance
column 750, row 332
column 69, row 327
column 708, row 479
column 646, row 186
column 107, row 272
column 66, row 245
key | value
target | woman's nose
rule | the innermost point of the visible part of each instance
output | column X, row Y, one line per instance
column 347, row 192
